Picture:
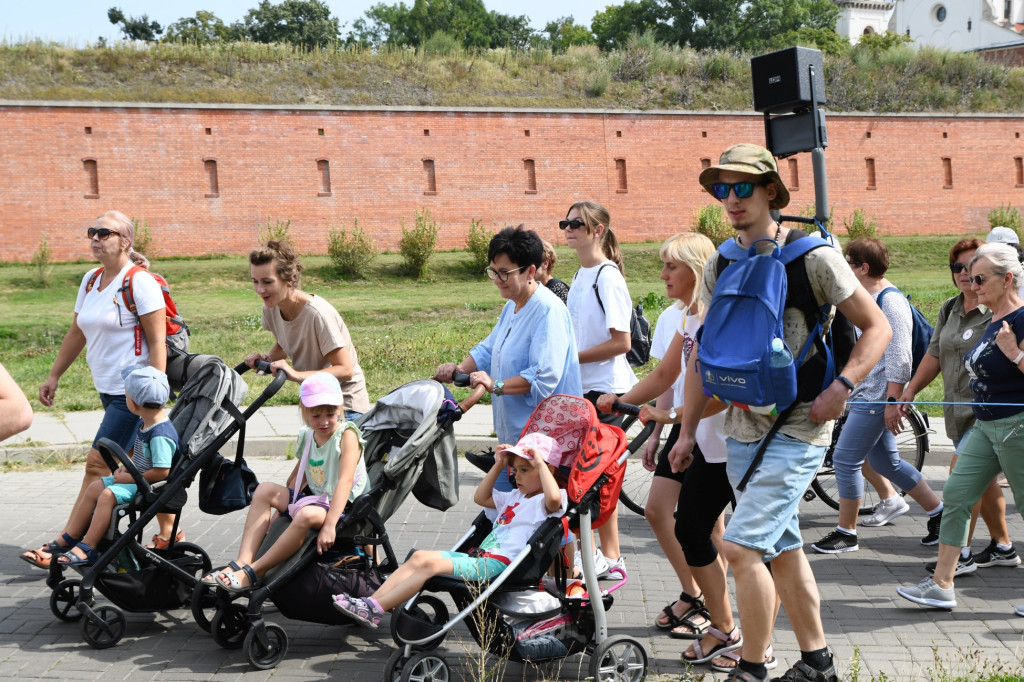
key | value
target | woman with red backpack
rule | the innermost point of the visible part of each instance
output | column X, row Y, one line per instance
column 114, row 338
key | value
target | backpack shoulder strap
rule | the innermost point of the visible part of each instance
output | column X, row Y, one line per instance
column 799, row 294
column 882, row 293
column 126, row 289
column 93, row 278
column 596, row 277
column 947, row 309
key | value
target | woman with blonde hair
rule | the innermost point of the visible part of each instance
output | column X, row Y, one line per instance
column 685, row 509
column 104, row 327
column 600, row 307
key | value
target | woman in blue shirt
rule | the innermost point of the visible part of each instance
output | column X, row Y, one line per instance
column 531, row 353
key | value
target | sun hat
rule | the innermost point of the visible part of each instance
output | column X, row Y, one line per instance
column 753, row 160
column 146, row 386
column 1002, row 235
column 321, row 389
column 541, row 444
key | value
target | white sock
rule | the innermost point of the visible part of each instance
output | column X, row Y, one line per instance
column 1003, row 547
column 847, row 531
column 889, row 501
column 936, row 511
column 965, row 552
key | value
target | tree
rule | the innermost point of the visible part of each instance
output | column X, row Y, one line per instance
column 384, row 24
column 202, row 29
column 135, row 28
column 512, row 32
column 300, row 22
column 467, row 21
column 564, row 31
column 612, row 27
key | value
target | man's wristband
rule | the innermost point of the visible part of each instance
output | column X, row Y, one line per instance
column 845, row 382
column 1020, row 356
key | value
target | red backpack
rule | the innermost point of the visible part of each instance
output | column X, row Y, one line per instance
column 177, row 330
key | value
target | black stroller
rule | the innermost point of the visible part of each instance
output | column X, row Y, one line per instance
column 521, row 615
column 141, row 579
column 410, row 447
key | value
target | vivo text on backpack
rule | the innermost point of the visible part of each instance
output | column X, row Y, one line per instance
column 177, row 330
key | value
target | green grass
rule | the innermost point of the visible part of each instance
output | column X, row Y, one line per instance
column 401, row 328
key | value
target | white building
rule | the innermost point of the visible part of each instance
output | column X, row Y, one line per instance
column 960, row 25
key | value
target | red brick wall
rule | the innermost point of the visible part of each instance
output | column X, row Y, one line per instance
column 150, row 162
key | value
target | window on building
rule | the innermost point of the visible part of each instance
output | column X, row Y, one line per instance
column 430, row 186
column 794, row 176
column 705, row 163
column 1018, row 164
column 531, row 176
column 947, row 173
column 869, row 168
column 212, row 185
column 92, row 179
column 323, row 169
column 620, row 174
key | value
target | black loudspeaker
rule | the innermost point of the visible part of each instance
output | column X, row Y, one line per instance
column 794, row 133
column 782, row 83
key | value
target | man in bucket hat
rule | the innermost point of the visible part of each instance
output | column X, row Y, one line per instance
column 764, row 524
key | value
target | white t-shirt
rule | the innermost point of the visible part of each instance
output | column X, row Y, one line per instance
column 710, row 434
column 665, row 330
column 613, row 375
column 109, row 327
column 518, row 517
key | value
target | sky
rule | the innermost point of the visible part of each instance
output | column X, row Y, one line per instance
column 82, row 21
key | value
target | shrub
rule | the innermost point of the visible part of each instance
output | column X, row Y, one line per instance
column 859, row 225
column 1007, row 216
column 143, row 238
column 478, row 242
column 441, row 44
column 276, row 231
column 809, row 211
column 42, row 261
column 417, row 244
column 351, row 252
column 710, row 221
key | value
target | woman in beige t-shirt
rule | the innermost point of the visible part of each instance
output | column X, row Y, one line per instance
column 306, row 328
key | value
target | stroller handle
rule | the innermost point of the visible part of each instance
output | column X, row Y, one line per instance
column 472, row 399
column 460, row 379
column 260, row 366
column 626, row 408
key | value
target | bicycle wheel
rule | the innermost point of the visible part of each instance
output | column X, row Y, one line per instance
column 912, row 444
column 637, row 483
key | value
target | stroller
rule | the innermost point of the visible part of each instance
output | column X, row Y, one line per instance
column 520, row 615
column 141, row 579
column 410, row 447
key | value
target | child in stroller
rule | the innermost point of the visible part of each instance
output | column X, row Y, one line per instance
column 330, row 473
column 536, row 497
column 146, row 393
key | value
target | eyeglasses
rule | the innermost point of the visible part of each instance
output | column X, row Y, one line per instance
column 720, row 190
column 573, row 224
column 100, row 232
column 500, row 274
column 855, row 263
column 979, row 280
column 957, row 268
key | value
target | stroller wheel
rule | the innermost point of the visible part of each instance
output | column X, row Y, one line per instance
column 393, row 668
column 428, row 614
column 618, row 659
column 229, row 626
column 426, row 666
column 265, row 657
column 204, row 605
column 63, row 600
column 104, row 627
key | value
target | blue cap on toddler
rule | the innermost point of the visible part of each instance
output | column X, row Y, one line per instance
column 146, row 386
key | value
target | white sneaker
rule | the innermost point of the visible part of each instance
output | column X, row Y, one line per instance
column 619, row 563
column 600, row 563
column 885, row 511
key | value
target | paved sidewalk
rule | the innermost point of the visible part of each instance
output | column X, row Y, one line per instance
column 860, row 608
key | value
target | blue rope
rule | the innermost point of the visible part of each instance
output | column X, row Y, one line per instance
column 928, row 402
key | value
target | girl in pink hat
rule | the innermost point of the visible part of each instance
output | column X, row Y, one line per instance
column 329, row 474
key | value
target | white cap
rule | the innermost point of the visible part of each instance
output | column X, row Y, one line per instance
column 1002, row 235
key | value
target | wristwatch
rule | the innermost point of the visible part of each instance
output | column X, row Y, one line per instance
column 498, row 388
column 672, row 414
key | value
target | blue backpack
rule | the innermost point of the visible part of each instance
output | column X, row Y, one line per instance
column 920, row 336
column 743, row 321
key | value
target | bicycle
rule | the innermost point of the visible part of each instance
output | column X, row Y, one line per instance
column 912, row 444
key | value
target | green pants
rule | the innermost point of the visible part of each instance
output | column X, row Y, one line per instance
column 991, row 447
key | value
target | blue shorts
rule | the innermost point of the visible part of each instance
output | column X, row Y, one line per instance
column 123, row 492
column 766, row 515
column 474, row 568
column 119, row 424
column 352, row 415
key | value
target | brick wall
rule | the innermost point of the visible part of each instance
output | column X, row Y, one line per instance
column 153, row 162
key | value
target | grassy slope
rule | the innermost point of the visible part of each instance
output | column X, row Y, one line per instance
column 402, row 329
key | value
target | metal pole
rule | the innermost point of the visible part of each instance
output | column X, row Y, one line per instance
column 820, row 185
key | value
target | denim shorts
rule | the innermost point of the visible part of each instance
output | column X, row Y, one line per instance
column 766, row 514
column 473, row 568
column 119, row 424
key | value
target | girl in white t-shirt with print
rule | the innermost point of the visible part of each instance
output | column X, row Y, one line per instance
column 601, row 328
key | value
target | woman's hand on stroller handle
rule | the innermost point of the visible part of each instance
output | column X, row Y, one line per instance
column 621, row 407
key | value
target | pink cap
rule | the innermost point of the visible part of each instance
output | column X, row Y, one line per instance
column 537, row 443
column 321, row 389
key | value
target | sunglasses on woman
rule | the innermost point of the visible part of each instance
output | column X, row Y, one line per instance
column 744, row 190
column 979, row 280
column 573, row 224
column 957, row 268
column 100, row 232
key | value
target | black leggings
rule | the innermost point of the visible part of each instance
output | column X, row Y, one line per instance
column 705, row 492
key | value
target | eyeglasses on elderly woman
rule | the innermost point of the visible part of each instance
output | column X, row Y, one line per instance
column 501, row 274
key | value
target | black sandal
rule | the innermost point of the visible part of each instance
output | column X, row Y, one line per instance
column 696, row 609
column 674, row 621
